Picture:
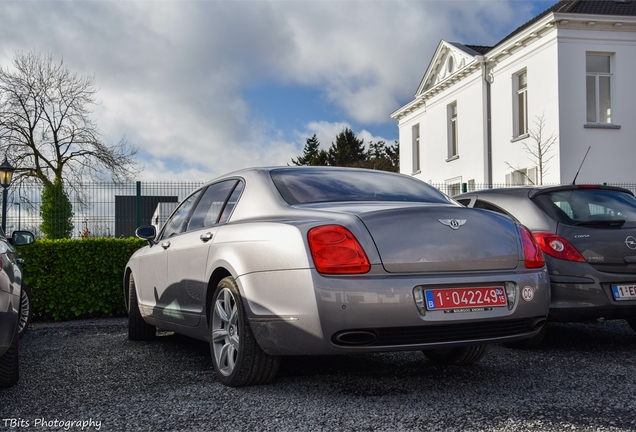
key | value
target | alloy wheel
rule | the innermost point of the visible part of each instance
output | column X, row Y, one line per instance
column 225, row 331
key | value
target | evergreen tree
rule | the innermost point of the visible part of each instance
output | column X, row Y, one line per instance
column 56, row 211
column 312, row 155
column 382, row 157
column 348, row 150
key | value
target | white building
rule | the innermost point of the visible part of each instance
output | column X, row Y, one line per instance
column 476, row 109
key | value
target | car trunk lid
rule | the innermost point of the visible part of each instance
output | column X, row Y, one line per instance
column 607, row 248
column 438, row 238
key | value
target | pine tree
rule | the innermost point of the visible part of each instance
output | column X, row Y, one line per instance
column 383, row 157
column 312, row 155
column 348, row 150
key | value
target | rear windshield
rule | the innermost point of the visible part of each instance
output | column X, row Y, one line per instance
column 309, row 185
column 589, row 207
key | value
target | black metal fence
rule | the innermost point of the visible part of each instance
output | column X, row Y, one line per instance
column 117, row 209
column 100, row 209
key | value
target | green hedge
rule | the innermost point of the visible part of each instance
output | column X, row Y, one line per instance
column 77, row 278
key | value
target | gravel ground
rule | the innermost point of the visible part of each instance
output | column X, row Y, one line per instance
column 86, row 375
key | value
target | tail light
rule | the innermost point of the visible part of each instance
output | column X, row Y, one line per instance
column 558, row 247
column 336, row 251
column 531, row 252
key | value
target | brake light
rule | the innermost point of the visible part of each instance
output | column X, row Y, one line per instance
column 336, row 251
column 558, row 247
column 531, row 252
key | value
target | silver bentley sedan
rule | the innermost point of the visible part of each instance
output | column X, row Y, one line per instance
column 267, row 262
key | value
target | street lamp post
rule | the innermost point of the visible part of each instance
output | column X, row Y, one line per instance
column 19, row 214
column 6, row 175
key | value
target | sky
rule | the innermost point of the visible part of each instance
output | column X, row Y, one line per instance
column 206, row 87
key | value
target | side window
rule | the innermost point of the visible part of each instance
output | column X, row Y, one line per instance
column 177, row 222
column 227, row 211
column 209, row 208
column 415, row 133
column 453, row 130
column 479, row 204
column 599, row 87
column 464, row 201
column 520, row 107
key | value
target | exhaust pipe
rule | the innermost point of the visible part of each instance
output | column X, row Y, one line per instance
column 355, row 337
column 537, row 323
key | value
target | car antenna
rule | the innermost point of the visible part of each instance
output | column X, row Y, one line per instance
column 577, row 173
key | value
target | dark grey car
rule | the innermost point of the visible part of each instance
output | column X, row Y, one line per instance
column 588, row 236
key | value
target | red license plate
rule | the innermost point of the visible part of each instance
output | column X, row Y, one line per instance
column 461, row 298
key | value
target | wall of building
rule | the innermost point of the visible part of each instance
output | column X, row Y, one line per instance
column 555, row 62
column 540, row 61
column 433, row 121
column 612, row 157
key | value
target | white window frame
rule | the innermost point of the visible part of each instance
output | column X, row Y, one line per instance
column 415, row 134
column 597, row 76
column 522, row 176
column 453, row 131
column 520, row 105
column 453, row 186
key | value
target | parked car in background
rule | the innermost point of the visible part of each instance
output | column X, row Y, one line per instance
column 588, row 236
column 267, row 262
column 26, row 303
column 10, row 306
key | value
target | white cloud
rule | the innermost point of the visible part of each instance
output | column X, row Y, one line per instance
column 171, row 73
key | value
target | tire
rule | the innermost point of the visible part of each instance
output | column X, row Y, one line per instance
column 10, row 363
column 237, row 358
column 457, row 356
column 531, row 343
column 138, row 329
column 26, row 310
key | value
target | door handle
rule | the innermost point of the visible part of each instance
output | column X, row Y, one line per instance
column 206, row 237
column 165, row 245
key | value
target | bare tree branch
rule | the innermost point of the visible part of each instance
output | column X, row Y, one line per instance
column 45, row 127
column 538, row 150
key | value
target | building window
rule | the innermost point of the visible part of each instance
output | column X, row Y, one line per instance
column 452, row 131
column 522, row 176
column 415, row 133
column 520, row 108
column 598, row 86
column 453, row 186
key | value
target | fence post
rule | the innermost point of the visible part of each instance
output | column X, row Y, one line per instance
column 138, row 204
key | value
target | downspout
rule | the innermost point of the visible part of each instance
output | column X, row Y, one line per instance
column 487, row 80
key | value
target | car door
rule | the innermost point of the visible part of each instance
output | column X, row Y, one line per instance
column 188, row 254
column 154, row 292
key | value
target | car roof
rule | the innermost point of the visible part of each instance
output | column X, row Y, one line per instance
column 255, row 170
column 532, row 191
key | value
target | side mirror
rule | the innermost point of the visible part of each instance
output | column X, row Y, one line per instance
column 146, row 232
column 22, row 238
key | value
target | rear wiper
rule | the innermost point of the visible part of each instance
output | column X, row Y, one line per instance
column 603, row 222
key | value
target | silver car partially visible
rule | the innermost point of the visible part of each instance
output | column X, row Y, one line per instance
column 267, row 262
column 11, row 306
